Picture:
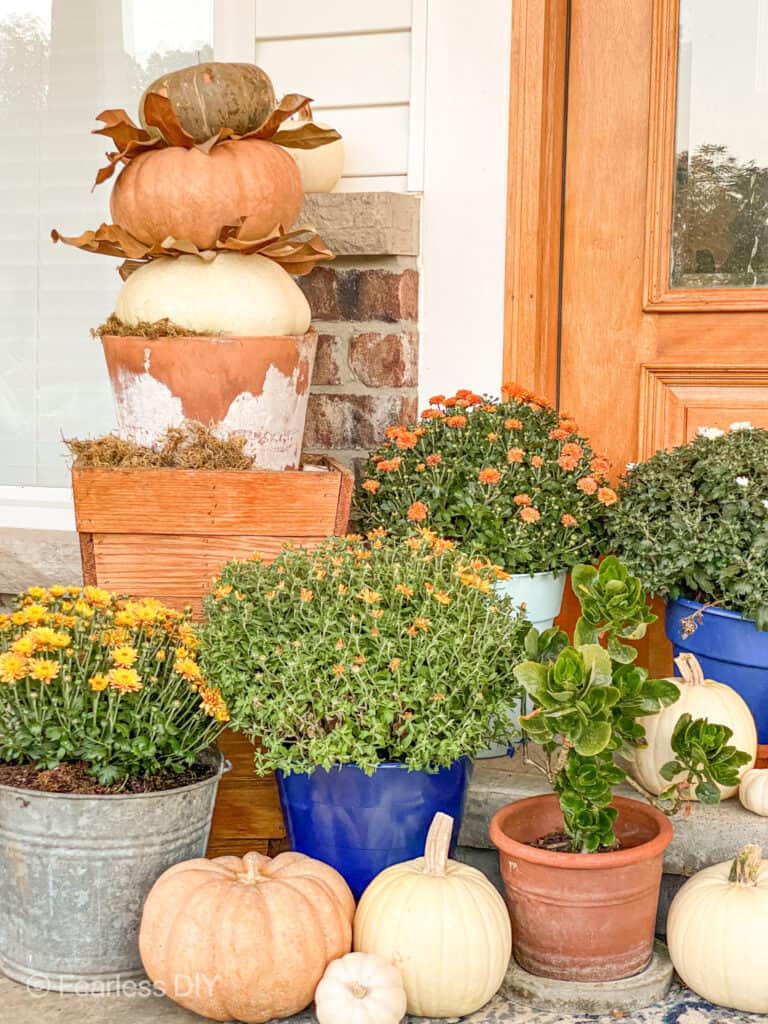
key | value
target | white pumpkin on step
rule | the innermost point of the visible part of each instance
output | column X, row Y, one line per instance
column 320, row 168
column 753, row 791
column 232, row 294
column 716, row 932
column 360, row 988
column 442, row 924
column 700, row 698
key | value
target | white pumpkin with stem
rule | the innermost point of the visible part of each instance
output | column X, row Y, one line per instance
column 753, row 791
column 442, row 924
column 360, row 988
column 700, row 698
column 232, row 294
column 320, row 168
column 716, row 932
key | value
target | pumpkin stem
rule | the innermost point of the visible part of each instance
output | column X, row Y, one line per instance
column 438, row 844
column 690, row 669
column 358, row 991
column 252, row 862
column 745, row 869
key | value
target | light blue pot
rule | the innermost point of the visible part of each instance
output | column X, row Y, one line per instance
column 541, row 597
column 541, row 594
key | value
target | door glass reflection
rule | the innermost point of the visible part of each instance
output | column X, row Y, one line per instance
column 720, row 210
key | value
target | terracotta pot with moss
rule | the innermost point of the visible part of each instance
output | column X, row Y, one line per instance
column 225, row 342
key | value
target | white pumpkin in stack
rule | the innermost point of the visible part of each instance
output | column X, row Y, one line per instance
column 322, row 167
column 230, row 295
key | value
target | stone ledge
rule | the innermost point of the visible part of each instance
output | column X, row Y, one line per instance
column 707, row 835
column 38, row 557
column 365, row 223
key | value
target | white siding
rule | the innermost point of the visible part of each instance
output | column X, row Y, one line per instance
column 419, row 90
column 354, row 59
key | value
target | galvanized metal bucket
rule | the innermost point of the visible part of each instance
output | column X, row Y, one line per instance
column 74, row 874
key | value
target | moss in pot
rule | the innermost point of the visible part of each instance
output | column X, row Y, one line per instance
column 598, row 857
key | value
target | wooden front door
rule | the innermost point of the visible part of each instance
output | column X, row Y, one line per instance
column 644, row 149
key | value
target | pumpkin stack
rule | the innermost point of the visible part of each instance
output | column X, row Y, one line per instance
column 209, row 324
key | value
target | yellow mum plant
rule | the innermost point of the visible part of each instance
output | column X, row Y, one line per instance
column 89, row 676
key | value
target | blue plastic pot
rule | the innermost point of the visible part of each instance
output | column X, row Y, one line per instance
column 362, row 824
column 730, row 649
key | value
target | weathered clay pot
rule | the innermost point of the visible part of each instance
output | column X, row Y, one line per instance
column 257, row 387
column 581, row 916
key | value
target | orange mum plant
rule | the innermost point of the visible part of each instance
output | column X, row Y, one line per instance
column 512, row 479
column 87, row 676
column 364, row 650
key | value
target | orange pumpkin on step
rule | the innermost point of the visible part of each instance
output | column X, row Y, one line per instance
column 190, row 195
column 245, row 939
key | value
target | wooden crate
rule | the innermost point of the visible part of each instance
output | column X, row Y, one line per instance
column 165, row 533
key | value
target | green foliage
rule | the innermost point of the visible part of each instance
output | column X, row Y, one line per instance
column 364, row 651
column 587, row 699
column 693, row 522
column 702, row 751
column 87, row 676
column 511, row 480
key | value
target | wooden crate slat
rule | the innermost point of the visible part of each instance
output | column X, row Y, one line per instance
column 232, row 847
column 179, row 566
column 248, row 808
column 284, row 504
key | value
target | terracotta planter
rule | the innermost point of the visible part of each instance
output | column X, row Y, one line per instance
column 257, row 387
column 581, row 916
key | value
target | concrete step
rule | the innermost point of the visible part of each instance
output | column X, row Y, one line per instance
column 19, row 1006
column 703, row 835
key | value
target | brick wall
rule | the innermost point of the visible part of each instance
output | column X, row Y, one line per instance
column 365, row 310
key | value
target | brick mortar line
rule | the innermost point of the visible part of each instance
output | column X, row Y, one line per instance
column 357, row 388
column 350, row 327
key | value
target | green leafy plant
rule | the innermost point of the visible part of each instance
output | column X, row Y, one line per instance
column 693, row 522
column 512, row 480
column 587, row 698
column 87, row 676
column 364, row 650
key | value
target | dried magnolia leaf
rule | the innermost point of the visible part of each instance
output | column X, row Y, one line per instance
column 165, row 130
column 159, row 113
column 119, row 127
column 109, row 240
column 289, row 105
column 127, row 136
column 308, row 136
column 297, row 251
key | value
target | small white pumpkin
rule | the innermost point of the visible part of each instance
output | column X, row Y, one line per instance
column 701, row 698
column 320, row 168
column 753, row 791
column 232, row 294
column 442, row 924
column 716, row 932
column 360, row 988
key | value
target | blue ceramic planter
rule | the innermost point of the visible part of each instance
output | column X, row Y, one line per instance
column 362, row 824
column 731, row 650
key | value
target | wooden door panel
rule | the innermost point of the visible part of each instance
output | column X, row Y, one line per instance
column 641, row 365
column 675, row 401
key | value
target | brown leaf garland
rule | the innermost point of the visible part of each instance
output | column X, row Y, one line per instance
column 163, row 130
column 297, row 251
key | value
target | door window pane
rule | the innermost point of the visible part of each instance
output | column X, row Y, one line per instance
column 63, row 62
column 720, row 215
